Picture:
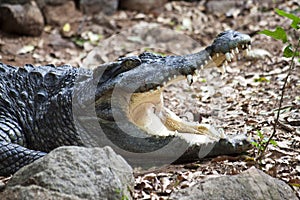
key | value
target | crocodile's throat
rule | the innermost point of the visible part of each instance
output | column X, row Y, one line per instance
column 146, row 109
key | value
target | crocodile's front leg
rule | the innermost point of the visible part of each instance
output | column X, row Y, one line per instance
column 14, row 156
column 13, row 143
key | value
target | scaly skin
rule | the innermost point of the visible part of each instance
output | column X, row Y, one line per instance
column 117, row 104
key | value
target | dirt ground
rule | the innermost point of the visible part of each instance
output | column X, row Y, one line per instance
column 244, row 100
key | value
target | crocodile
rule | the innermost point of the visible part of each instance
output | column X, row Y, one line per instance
column 117, row 104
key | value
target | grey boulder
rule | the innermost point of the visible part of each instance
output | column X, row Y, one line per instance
column 57, row 12
column 23, row 19
column 73, row 173
column 251, row 184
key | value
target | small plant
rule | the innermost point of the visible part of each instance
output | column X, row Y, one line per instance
column 89, row 37
column 290, row 51
column 261, row 141
column 120, row 192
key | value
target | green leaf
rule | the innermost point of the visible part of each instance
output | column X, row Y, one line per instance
column 296, row 20
column 261, row 79
column 288, row 51
column 261, row 148
column 273, row 142
column 78, row 41
column 259, row 133
column 255, row 144
column 278, row 34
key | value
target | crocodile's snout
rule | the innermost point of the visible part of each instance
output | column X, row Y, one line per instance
column 228, row 41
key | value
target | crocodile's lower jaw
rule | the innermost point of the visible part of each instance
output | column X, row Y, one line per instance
column 146, row 109
column 148, row 113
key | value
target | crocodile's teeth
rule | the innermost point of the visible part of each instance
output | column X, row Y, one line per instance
column 158, row 88
column 197, row 72
column 223, row 69
column 249, row 47
column 164, row 83
column 232, row 53
column 201, row 67
column 210, row 58
column 243, row 46
column 228, row 56
column 174, row 76
column 217, row 55
column 205, row 62
column 169, row 78
column 247, row 51
column 189, row 79
column 226, row 63
column 237, row 50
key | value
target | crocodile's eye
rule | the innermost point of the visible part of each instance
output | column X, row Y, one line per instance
column 235, row 35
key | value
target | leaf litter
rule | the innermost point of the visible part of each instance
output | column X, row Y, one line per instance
column 243, row 100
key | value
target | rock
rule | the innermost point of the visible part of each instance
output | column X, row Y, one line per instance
column 104, row 21
column 59, row 12
column 251, row 184
column 73, row 173
column 33, row 192
column 56, row 41
column 142, row 5
column 21, row 19
column 223, row 7
column 95, row 6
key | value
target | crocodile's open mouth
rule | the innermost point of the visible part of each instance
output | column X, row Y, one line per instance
column 146, row 109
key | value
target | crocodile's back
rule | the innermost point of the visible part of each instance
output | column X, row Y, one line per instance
column 36, row 106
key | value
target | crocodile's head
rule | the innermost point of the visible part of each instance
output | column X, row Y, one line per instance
column 130, row 91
